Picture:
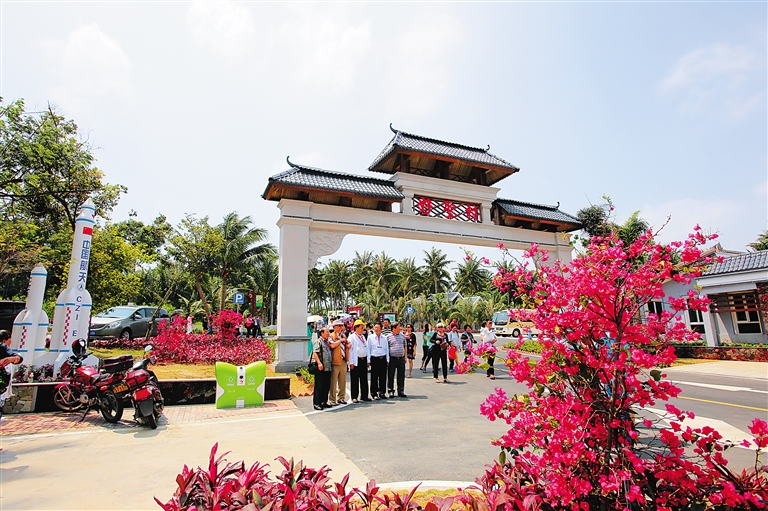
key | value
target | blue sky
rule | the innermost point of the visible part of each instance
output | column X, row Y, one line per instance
column 661, row 106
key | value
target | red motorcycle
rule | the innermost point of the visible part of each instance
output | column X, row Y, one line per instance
column 142, row 389
column 86, row 387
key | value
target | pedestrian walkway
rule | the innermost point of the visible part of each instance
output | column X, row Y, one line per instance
column 102, row 466
column 737, row 369
column 60, row 422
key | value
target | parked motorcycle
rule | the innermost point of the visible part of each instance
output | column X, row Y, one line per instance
column 86, row 387
column 142, row 389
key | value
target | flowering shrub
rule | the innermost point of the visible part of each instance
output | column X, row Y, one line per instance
column 23, row 373
column 573, row 442
column 174, row 345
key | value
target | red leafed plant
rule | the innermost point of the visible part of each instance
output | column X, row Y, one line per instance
column 574, row 441
column 174, row 345
column 230, row 486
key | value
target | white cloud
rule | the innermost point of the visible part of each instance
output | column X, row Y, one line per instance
column 716, row 74
column 324, row 47
column 713, row 61
column 222, row 26
column 422, row 64
column 87, row 67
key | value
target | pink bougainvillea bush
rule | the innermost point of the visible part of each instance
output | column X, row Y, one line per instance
column 576, row 439
column 174, row 345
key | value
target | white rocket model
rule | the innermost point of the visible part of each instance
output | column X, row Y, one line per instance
column 30, row 327
column 72, row 316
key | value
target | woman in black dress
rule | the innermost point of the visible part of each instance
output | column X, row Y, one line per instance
column 440, row 353
column 410, row 347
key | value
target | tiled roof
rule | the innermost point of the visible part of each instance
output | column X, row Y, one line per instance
column 420, row 144
column 537, row 211
column 302, row 176
column 737, row 263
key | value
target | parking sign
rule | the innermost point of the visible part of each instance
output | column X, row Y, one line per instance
column 239, row 299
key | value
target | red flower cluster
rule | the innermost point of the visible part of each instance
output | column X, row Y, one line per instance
column 174, row 345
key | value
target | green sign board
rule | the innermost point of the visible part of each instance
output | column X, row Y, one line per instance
column 259, row 300
column 240, row 386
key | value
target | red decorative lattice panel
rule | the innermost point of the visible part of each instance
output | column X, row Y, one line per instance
column 443, row 208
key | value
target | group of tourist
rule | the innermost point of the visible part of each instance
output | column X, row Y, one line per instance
column 384, row 349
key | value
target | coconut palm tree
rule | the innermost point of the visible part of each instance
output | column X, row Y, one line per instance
column 316, row 289
column 240, row 248
column 471, row 277
column 383, row 274
column 264, row 279
column 360, row 273
column 435, row 272
column 335, row 279
column 409, row 277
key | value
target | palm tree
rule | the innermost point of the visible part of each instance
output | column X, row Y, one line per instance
column 316, row 289
column 435, row 262
column 240, row 248
column 464, row 311
column 761, row 243
column 383, row 274
column 409, row 277
column 360, row 273
column 264, row 278
column 335, row 279
column 471, row 277
column 488, row 304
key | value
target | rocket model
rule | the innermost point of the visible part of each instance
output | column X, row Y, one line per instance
column 72, row 316
column 30, row 327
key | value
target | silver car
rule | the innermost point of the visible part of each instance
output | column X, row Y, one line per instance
column 125, row 322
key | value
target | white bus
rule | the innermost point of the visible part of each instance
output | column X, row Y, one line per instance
column 506, row 324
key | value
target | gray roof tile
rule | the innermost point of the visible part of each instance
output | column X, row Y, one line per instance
column 742, row 262
column 318, row 179
column 421, row 144
column 537, row 211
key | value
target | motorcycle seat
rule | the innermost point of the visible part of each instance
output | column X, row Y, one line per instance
column 96, row 378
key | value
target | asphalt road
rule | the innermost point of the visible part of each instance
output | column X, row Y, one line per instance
column 438, row 434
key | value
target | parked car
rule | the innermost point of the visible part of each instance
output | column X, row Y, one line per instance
column 125, row 322
column 8, row 311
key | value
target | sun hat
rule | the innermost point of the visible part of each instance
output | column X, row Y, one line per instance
column 338, row 322
column 359, row 322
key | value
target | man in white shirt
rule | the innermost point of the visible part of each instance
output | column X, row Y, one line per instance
column 378, row 360
column 358, row 362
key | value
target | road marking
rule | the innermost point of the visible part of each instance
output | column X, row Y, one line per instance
column 729, row 433
column 724, row 404
column 728, row 388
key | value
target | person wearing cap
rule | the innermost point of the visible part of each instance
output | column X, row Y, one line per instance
column 339, row 355
column 358, row 362
column 396, row 341
column 378, row 359
column 440, row 353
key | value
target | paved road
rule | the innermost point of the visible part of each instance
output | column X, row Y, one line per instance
column 439, row 434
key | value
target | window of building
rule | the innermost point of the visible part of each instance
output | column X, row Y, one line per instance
column 696, row 320
column 746, row 317
column 655, row 307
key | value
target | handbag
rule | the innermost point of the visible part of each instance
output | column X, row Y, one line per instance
column 312, row 364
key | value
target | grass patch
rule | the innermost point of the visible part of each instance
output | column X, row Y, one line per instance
column 192, row 372
column 691, row 361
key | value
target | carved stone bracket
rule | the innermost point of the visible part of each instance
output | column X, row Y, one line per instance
column 323, row 243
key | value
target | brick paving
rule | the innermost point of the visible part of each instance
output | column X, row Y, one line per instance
column 62, row 422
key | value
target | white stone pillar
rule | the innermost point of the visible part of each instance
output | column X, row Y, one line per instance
column 407, row 204
column 486, row 212
column 293, row 252
column 710, row 329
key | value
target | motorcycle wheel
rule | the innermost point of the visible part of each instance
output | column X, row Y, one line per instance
column 151, row 421
column 68, row 400
column 113, row 412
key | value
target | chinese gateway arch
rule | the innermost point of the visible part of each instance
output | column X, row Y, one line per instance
column 445, row 192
